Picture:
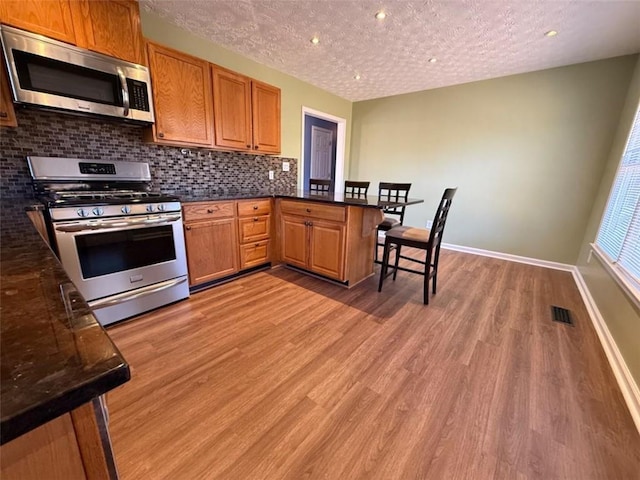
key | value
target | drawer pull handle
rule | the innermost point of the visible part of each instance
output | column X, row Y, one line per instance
column 187, row 228
column 160, row 134
column 308, row 210
column 255, row 207
column 209, row 210
column 255, row 219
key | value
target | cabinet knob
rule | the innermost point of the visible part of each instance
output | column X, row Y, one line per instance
column 161, row 135
column 209, row 210
column 248, row 146
column 308, row 210
column 255, row 219
column 255, row 207
column 187, row 228
column 257, row 244
column 256, row 147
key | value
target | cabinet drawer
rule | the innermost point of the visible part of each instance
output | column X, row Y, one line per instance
column 254, row 207
column 314, row 210
column 207, row 210
column 254, row 228
column 254, row 254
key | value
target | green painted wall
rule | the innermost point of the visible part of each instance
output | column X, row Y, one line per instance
column 295, row 93
column 526, row 151
column 620, row 314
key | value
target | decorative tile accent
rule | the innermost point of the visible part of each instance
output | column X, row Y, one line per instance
column 53, row 134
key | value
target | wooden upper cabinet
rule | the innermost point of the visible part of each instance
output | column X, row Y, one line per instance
column 232, row 109
column 51, row 18
column 265, row 102
column 182, row 97
column 246, row 112
column 7, row 112
column 109, row 27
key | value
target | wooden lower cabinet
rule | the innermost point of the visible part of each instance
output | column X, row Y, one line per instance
column 74, row 446
column 335, row 241
column 211, row 249
column 254, row 232
column 315, row 245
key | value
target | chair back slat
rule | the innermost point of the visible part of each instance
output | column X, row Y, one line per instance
column 317, row 185
column 393, row 192
column 356, row 189
column 440, row 218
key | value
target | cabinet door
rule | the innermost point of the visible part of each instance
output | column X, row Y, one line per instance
column 211, row 250
column 232, row 109
column 294, row 241
column 326, row 250
column 111, row 28
column 182, row 97
column 7, row 113
column 265, row 103
column 51, row 18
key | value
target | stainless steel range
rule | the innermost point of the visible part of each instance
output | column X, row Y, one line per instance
column 121, row 243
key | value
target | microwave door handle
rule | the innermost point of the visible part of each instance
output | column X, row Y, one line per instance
column 125, row 91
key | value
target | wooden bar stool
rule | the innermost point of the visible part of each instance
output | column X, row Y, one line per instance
column 319, row 186
column 422, row 238
column 356, row 189
column 392, row 216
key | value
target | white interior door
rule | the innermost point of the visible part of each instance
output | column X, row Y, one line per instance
column 321, row 149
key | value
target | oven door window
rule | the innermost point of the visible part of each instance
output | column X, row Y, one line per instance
column 112, row 252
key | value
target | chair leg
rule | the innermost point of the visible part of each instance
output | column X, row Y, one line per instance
column 395, row 271
column 427, row 275
column 385, row 263
column 435, row 269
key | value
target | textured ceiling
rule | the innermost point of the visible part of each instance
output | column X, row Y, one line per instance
column 471, row 39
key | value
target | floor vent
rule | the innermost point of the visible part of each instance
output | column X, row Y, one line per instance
column 561, row 315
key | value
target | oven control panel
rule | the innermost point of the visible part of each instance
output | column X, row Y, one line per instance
column 71, row 213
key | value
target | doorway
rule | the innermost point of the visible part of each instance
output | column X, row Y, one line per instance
column 322, row 148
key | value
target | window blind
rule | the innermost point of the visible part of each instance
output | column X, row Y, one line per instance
column 619, row 234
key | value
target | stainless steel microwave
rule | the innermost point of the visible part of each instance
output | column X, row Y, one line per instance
column 55, row 75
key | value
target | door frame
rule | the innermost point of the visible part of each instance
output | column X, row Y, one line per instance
column 340, row 145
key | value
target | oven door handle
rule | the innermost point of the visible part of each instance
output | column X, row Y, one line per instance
column 140, row 292
column 118, row 225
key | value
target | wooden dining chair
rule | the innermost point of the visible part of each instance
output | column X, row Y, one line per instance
column 317, row 185
column 421, row 238
column 393, row 216
column 356, row 189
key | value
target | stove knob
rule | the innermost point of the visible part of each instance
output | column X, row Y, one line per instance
column 98, row 211
column 82, row 212
column 150, row 208
column 126, row 209
column 161, row 207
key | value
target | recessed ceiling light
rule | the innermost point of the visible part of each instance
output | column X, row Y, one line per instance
column 433, row 60
column 381, row 15
column 550, row 33
column 357, row 76
column 315, row 40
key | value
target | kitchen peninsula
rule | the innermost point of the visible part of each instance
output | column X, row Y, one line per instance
column 329, row 234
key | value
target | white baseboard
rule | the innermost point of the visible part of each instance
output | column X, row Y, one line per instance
column 512, row 258
column 627, row 384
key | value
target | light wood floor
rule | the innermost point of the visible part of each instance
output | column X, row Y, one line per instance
column 283, row 376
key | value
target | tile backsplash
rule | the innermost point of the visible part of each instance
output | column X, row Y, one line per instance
column 173, row 169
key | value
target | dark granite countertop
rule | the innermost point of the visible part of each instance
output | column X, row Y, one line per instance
column 55, row 355
column 329, row 197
